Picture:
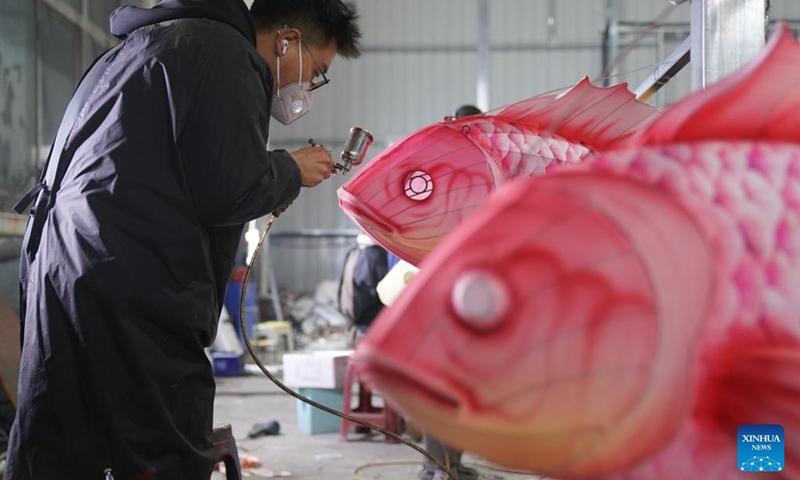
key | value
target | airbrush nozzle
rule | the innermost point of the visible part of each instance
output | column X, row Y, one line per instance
column 355, row 149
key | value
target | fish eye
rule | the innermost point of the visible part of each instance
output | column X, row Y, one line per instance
column 480, row 300
column 418, row 185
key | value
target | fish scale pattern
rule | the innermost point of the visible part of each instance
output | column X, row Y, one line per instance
column 746, row 196
column 524, row 151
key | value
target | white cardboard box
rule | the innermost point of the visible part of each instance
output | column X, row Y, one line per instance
column 322, row 369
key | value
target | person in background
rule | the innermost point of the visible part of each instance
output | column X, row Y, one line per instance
column 391, row 259
column 467, row 110
column 129, row 249
column 365, row 265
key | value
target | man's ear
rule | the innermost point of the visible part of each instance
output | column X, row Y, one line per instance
column 284, row 39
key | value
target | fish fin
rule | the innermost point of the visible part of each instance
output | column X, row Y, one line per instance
column 761, row 101
column 753, row 380
column 598, row 117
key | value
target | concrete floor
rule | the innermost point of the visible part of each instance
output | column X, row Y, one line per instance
column 244, row 401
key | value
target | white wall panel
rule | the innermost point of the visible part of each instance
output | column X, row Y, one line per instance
column 539, row 72
column 527, row 21
column 518, row 21
column 418, row 22
column 785, row 9
column 579, row 20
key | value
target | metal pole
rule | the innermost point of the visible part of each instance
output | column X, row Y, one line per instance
column 86, row 53
column 267, row 268
column 726, row 34
column 610, row 40
column 275, row 293
column 267, row 283
column 38, row 134
column 552, row 33
column 484, row 53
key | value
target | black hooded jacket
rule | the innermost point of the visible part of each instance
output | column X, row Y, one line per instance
column 167, row 161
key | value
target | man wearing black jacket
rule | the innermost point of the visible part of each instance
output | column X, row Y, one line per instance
column 125, row 274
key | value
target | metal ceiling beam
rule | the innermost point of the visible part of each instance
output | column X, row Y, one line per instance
column 611, row 36
column 484, row 56
column 497, row 48
column 726, row 34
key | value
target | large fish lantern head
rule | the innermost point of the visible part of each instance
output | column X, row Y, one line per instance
column 420, row 189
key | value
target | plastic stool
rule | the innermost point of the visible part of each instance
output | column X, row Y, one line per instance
column 278, row 334
column 225, row 451
column 384, row 417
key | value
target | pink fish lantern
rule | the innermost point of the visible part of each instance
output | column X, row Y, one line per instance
column 622, row 320
column 418, row 190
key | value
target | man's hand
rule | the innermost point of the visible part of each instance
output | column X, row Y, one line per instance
column 315, row 164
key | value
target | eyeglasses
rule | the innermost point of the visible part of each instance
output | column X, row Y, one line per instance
column 315, row 82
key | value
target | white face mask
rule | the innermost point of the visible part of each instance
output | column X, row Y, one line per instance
column 292, row 101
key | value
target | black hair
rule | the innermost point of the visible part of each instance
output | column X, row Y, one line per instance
column 467, row 110
column 320, row 21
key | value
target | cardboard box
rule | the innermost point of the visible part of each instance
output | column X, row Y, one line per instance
column 323, row 369
column 311, row 420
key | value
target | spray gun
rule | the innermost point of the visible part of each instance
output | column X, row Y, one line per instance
column 354, row 152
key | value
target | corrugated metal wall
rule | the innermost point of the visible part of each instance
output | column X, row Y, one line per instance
column 420, row 63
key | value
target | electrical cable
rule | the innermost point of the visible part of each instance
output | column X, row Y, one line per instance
column 394, row 463
column 595, row 80
column 608, row 74
column 296, row 395
column 637, row 39
column 391, row 463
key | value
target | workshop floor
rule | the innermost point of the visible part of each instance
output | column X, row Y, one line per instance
column 244, row 401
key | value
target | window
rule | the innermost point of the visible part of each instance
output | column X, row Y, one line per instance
column 17, row 98
column 100, row 10
column 45, row 46
column 59, row 50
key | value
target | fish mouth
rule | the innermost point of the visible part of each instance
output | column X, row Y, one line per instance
column 363, row 214
column 403, row 384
